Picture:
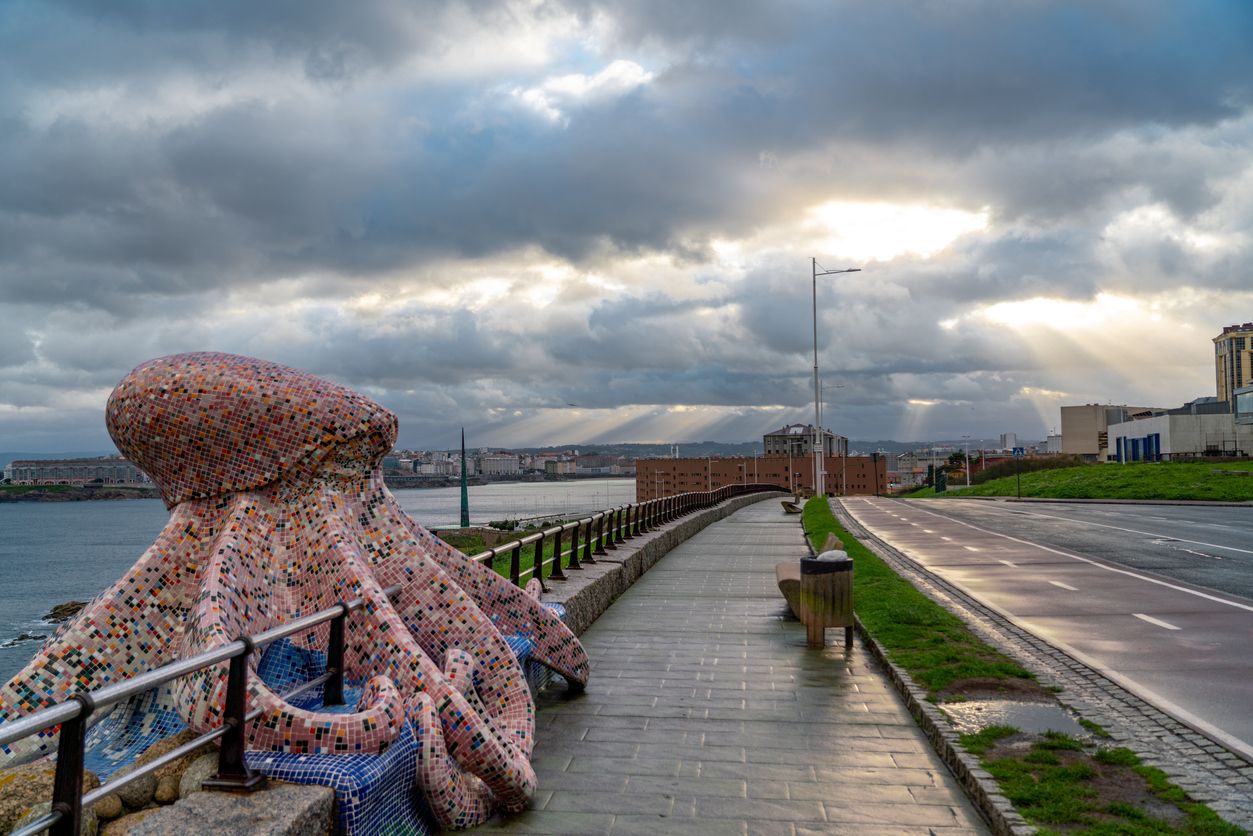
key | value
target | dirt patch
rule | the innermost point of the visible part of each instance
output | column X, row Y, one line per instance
column 1116, row 789
column 1025, row 690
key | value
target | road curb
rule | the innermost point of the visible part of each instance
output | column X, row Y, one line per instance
column 1206, row 770
column 980, row 787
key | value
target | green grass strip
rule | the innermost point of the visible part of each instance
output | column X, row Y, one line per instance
column 1214, row 481
column 932, row 644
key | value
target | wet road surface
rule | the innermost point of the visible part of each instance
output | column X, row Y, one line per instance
column 1156, row 597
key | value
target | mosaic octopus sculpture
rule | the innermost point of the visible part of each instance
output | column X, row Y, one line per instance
column 278, row 509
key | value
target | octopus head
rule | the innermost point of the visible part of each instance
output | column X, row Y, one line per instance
column 205, row 424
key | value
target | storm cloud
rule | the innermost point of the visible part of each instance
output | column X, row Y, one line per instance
column 479, row 212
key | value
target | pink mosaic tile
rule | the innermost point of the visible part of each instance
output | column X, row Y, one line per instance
column 278, row 509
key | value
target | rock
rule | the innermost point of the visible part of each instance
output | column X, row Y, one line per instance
column 124, row 825
column 24, row 637
column 178, row 767
column 278, row 810
column 205, row 766
column 24, row 787
column 89, row 826
column 138, row 793
column 167, row 789
column 109, row 807
column 63, row 612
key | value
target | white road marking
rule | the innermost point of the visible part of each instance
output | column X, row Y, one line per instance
column 1064, row 586
column 1075, row 521
column 929, row 530
column 970, row 548
column 1007, row 563
column 942, row 537
column 1097, row 564
column 1151, row 620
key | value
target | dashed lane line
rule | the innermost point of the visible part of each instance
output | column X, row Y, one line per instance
column 1151, row 620
column 1065, row 586
column 1158, row 581
column 1074, row 520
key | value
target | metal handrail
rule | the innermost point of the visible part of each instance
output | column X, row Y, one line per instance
column 601, row 531
column 71, row 715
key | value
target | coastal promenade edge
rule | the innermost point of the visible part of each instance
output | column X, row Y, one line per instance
column 706, row 713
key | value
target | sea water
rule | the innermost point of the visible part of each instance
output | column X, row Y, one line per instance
column 51, row 552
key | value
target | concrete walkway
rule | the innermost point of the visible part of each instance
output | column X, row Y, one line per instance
column 707, row 714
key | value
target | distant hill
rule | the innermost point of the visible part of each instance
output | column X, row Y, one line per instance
column 5, row 458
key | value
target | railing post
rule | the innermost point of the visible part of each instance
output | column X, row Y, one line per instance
column 537, row 570
column 333, row 690
column 600, row 537
column 233, row 772
column 619, row 517
column 574, row 545
column 587, row 542
column 606, row 532
column 515, row 565
column 641, row 517
column 556, row 572
column 627, row 532
column 67, row 785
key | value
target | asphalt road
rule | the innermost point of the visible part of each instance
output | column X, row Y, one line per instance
column 1155, row 597
column 1209, row 546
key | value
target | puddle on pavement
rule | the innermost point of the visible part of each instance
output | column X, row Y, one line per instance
column 1037, row 717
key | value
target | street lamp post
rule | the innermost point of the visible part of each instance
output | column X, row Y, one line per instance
column 818, row 451
column 966, row 439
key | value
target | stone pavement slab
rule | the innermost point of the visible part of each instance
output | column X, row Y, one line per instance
column 706, row 713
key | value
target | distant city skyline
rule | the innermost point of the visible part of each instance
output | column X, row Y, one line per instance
column 594, row 219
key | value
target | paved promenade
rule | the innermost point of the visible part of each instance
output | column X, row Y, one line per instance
column 707, row 714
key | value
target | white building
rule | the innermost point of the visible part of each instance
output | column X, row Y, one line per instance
column 113, row 470
column 1200, row 428
column 499, row 464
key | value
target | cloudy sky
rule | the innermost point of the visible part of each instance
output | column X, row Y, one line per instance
column 482, row 212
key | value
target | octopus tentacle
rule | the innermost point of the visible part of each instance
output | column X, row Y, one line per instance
column 279, row 510
column 510, row 608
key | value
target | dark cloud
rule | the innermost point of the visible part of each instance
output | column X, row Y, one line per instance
column 235, row 175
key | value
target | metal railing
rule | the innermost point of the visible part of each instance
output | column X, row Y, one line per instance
column 602, row 532
column 599, row 533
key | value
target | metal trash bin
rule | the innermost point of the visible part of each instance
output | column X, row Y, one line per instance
column 826, row 596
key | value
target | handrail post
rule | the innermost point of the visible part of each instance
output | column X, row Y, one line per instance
column 641, row 517
column 233, row 772
column 606, row 532
column 67, row 785
column 632, row 520
column 537, row 570
column 574, row 545
column 619, row 521
column 587, row 543
column 600, row 537
column 515, row 565
column 556, row 572
column 333, row 690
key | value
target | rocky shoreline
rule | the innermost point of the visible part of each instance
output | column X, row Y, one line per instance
column 72, row 493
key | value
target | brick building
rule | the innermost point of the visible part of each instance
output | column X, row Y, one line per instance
column 850, row 475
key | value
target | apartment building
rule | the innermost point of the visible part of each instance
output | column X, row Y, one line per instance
column 1233, row 361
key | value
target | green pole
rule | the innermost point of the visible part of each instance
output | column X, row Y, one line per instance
column 465, row 491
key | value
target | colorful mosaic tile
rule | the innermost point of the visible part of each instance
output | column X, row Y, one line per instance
column 278, row 510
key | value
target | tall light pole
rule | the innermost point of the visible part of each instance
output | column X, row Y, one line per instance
column 818, row 486
column 966, row 439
